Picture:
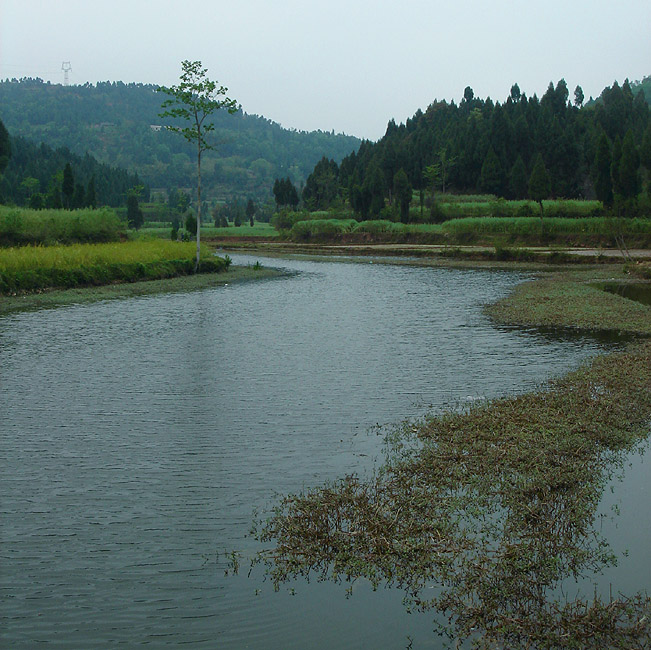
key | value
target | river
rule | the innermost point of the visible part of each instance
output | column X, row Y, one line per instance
column 138, row 436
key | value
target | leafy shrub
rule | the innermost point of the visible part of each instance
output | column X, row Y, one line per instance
column 377, row 226
column 321, row 228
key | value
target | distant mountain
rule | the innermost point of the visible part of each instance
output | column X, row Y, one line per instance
column 118, row 124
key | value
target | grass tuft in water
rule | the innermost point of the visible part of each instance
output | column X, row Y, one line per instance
column 487, row 514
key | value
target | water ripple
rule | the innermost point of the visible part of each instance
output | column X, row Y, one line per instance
column 137, row 437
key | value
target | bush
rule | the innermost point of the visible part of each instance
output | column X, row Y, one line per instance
column 377, row 226
column 321, row 229
column 191, row 224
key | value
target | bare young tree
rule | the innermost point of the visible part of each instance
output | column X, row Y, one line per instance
column 193, row 100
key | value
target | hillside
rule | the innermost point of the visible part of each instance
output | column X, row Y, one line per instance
column 117, row 124
column 34, row 175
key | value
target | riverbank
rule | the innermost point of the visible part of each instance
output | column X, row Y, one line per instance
column 547, row 255
column 57, row 298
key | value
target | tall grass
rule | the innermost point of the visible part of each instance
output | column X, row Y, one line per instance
column 321, row 228
column 29, row 268
column 472, row 207
column 530, row 226
column 590, row 231
column 20, row 226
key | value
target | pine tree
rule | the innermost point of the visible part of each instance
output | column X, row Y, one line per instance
column 645, row 148
column 492, row 174
column 603, row 183
column 134, row 213
column 518, row 180
column 629, row 181
column 539, row 184
column 91, row 196
column 614, row 166
column 5, row 147
column 402, row 192
column 78, row 197
column 250, row 211
column 67, row 187
column 373, row 190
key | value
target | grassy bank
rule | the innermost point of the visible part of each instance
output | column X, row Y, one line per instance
column 61, row 297
column 260, row 230
column 33, row 268
column 491, row 231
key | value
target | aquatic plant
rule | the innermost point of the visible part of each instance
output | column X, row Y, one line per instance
column 479, row 515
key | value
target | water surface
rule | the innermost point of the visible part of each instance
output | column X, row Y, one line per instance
column 137, row 437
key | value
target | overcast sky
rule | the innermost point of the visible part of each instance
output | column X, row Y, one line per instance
column 343, row 65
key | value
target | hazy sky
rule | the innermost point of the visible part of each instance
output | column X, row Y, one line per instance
column 347, row 65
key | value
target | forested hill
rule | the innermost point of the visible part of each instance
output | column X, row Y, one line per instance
column 116, row 123
column 492, row 147
column 34, row 177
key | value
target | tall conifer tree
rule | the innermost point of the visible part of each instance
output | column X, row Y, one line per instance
column 602, row 183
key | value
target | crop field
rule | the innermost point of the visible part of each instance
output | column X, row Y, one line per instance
column 31, row 268
column 259, row 229
column 478, row 206
column 20, row 226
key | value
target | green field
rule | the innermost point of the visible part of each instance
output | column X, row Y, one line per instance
column 455, row 207
column 259, row 229
column 21, row 226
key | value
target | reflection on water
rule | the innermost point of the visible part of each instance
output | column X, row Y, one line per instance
column 638, row 291
column 137, row 437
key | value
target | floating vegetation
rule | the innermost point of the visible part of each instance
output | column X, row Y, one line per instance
column 486, row 514
column 571, row 299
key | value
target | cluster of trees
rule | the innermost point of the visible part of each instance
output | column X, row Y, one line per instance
column 238, row 212
column 38, row 176
column 285, row 193
column 114, row 121
column 523, row 148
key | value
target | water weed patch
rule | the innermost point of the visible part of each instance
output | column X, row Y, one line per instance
column 480, row 515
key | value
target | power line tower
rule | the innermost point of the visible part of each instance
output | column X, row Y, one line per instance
column 66, row 67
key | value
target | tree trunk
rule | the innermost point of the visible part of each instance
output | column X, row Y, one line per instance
column 196, row 264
